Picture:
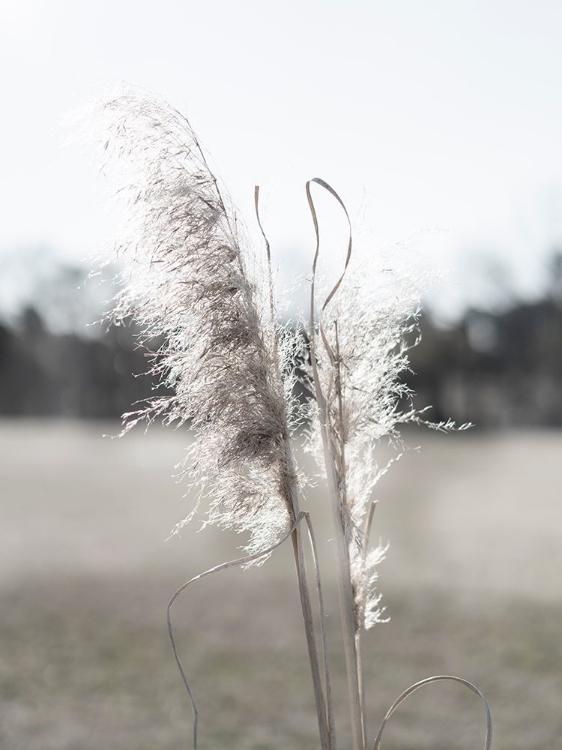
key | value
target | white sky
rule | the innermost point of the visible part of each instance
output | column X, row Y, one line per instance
column 421, row 113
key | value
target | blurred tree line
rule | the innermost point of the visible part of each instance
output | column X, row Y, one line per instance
column 496, row 369
column 48, row 374
column 56, row 358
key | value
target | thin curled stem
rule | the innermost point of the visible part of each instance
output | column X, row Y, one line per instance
column 240, row 561
column 335, row 478
column 312, row 207
column 428, row 681
column 269, row 267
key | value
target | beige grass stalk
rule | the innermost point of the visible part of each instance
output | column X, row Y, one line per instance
column 322, row 693
column 360, row 338
column 336, row 492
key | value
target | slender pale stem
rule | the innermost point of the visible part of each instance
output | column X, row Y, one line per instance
column 327, row 735
column 342, row 492
column 361, row 623
column 322, row 695
column 346, row 598
column 327, row 679
column 361, row 681
column 323, row 699
column 311, row 641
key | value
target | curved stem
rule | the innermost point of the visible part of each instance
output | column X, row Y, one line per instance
column 346, row 598
column 216, row 569
column 428, row 681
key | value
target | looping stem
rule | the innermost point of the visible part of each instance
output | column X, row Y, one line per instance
column 240, row 561
column 428, row 681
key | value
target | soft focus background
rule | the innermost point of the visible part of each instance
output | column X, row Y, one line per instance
column 439, row 123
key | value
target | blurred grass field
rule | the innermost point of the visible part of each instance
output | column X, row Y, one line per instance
column 472, row 584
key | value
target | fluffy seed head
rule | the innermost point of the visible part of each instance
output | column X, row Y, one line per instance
column 362, row 346
column 186, row 278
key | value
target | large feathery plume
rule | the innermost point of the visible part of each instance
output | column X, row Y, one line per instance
column 189, row 279
column 368, row 328
column 186, row 278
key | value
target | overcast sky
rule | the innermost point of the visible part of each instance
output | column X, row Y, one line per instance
column 422, row 114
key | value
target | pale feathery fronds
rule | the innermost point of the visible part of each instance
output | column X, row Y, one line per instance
column 369, row 328
column 359, row 345
column 364, row 337
column 190, row 279
column 187, row 278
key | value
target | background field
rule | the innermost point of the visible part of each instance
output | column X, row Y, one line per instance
column 472, row 584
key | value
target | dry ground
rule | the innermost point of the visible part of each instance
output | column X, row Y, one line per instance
column 472, row 584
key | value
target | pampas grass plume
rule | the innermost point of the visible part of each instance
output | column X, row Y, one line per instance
column 188, row 278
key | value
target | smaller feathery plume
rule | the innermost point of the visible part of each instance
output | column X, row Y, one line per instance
column 359, row 342
column 368, row 330
column 187, row 278
column 364, row 337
